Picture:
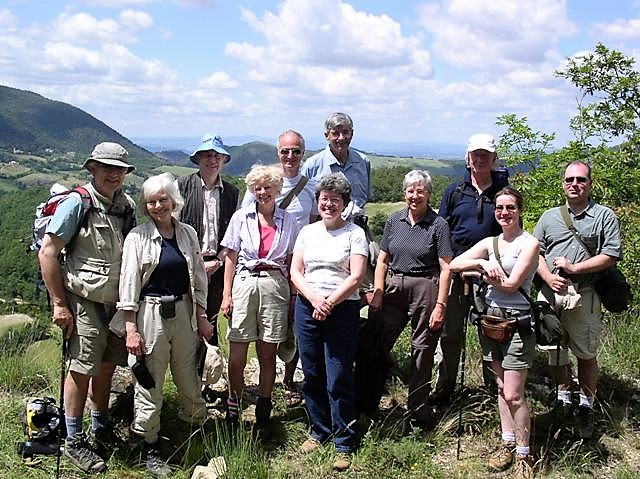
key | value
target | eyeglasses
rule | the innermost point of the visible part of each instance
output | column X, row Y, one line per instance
column 293, row 151
column 580, row 179
column 506, row 207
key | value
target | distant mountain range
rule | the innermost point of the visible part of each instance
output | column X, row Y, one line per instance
column 438, row 151
column 43, row 140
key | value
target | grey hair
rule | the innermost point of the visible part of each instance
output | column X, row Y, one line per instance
column 293, row 132
column 265, row 173
column 337, row 119
column 335, row 183
column 163, row 183
column 418, row 176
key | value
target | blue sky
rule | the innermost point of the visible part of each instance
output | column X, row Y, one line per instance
column 406, row 71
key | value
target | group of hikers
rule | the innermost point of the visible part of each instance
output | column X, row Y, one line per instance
column 293, row 257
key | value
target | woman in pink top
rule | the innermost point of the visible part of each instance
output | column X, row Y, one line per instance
column 259, row 242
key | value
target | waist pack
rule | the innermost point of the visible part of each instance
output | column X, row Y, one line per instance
column 613, row 289
column 498, row 328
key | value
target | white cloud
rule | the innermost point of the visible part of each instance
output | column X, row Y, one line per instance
column 136, row 19
column 85, row 28
column 620, row 29
column 331, row 33
column 490, row 35
column 218, row 81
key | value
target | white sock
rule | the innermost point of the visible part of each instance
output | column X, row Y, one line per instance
column 522, row 451
column 564, row 395
column 586, row 400
column 508, row 437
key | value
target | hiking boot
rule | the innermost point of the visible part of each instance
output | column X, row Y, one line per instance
column 103, row 440
column 523, row 468
column 310, row 445
column 263, row 418
column 585, row 416
column 154, row 462
column 501, row 459
column 342, row 461
column 79, row 453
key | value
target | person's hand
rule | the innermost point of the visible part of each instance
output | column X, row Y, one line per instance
column 493, row 271
column 322, row 305
column 436, row 320
column 212, row 266
column 227, row 305
column 135, row 344
column 63, row 318
column 563, row 264
column 318, row 315
column 376, row 300
column 557, row 283
column 205, row 328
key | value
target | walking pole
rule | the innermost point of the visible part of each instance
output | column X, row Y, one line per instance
column 61, row 424
column 467, row 294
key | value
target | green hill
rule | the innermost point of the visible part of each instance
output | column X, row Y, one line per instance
column 34, row 124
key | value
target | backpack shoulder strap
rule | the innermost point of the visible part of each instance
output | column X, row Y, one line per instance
column 564, row 212
column 286, row 201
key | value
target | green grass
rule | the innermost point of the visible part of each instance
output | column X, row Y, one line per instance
column 386, row 208
column 29, row 365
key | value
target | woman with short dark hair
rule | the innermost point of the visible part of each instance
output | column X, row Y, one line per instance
column 327, row 268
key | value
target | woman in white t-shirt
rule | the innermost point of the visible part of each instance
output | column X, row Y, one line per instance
column 506, row 273
column 327, row 268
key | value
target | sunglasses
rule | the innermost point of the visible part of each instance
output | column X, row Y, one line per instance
column 505, row 207
column 294, row 151
column 580, row 179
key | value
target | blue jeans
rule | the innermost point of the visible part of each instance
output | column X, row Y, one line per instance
column 327, row 351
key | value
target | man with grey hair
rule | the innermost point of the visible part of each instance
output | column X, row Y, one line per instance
column 339, row 157
column 84, row 293
column 467, row 205
column 298, row 197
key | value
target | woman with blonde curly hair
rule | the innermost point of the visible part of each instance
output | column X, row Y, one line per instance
column 259, row 243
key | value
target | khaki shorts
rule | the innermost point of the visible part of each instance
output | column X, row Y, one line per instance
column 583, row 327
column 260, row 307
column 517, row 353
column 92, row 343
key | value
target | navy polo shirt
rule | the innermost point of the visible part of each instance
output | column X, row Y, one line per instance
column 471, row 218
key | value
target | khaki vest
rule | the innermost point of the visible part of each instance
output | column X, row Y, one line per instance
column 91, row 268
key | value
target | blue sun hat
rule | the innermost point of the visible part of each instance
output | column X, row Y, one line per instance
column 210, row 142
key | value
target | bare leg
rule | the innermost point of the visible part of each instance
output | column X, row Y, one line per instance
column 76, row 386
column 588, row 375
column 100, row 387
column 506, row 420
column 267, row 360
column 513, row 390
column 237, row 362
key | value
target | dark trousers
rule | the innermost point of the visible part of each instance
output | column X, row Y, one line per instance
column 214, row 300
column 406, row 299
column 327, row 351
column 452, row 338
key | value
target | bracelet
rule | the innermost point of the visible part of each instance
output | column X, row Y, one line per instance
column 444, row 305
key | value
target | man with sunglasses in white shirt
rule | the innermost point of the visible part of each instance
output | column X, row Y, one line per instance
column 564, row 261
